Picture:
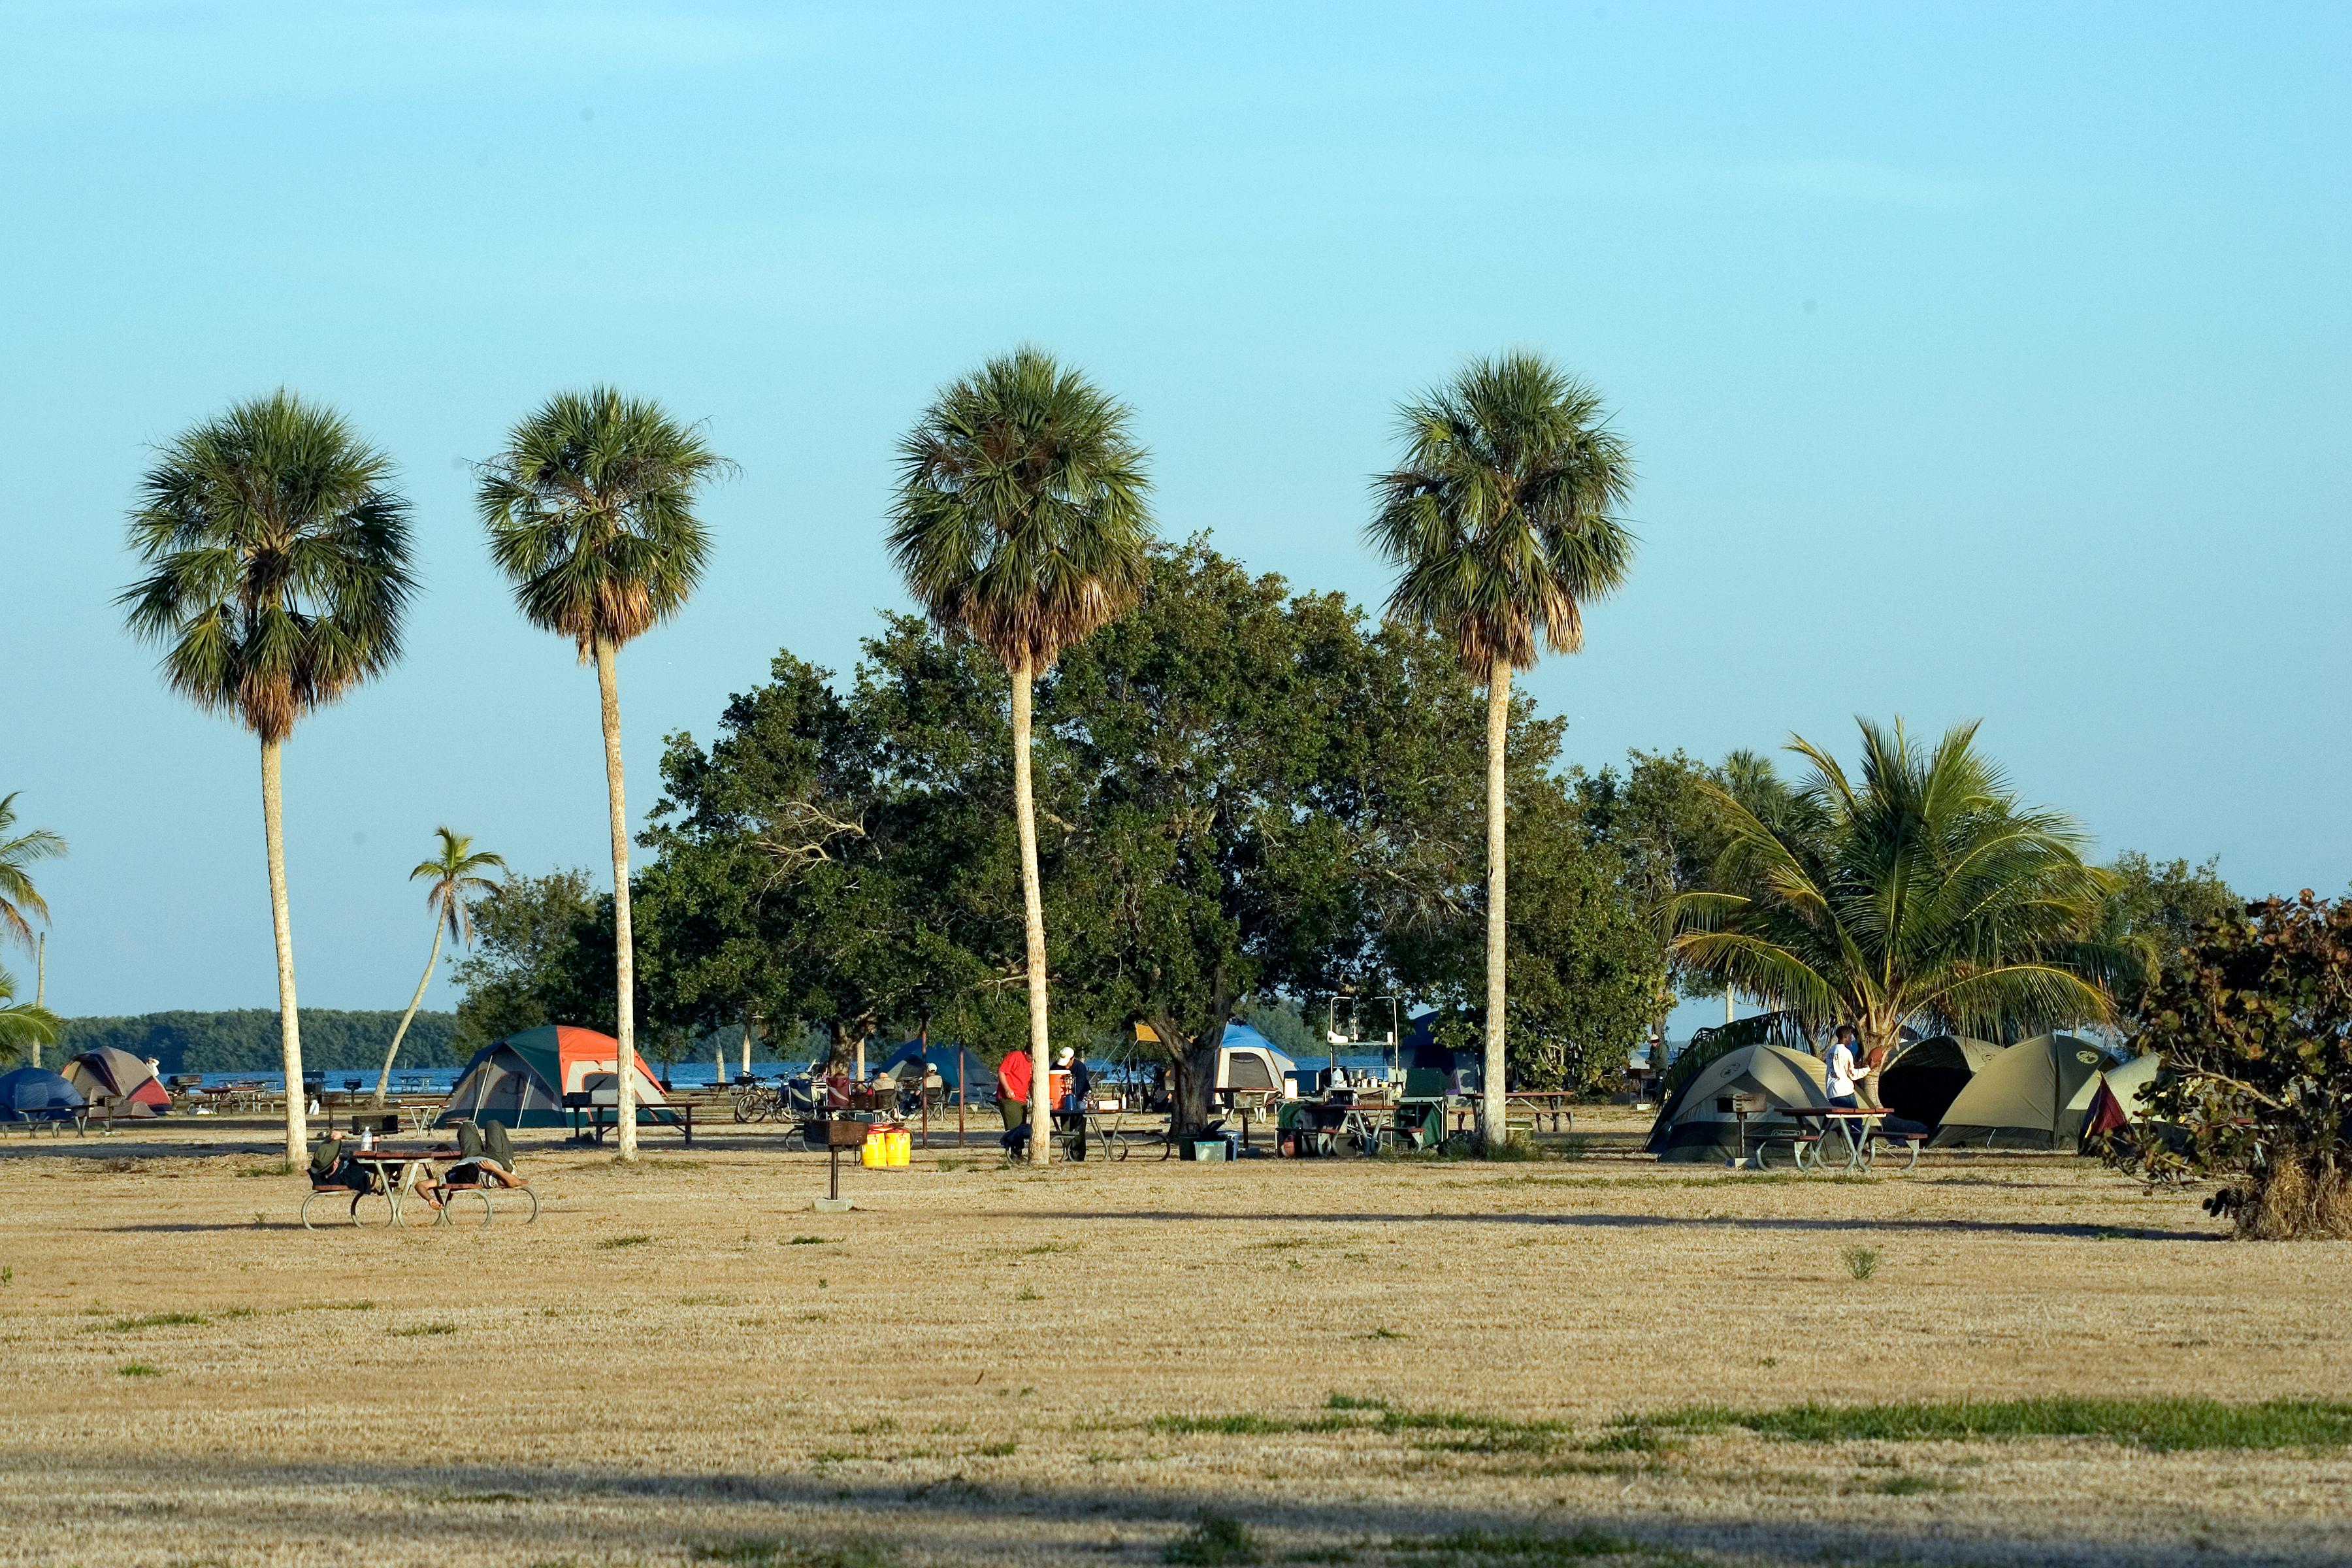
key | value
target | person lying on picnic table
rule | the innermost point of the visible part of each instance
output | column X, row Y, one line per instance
column 333, row 1165
column 483, row 1158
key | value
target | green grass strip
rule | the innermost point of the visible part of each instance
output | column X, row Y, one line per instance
column 2165, row 1425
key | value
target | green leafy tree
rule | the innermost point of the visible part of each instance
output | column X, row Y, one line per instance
column 1503, row 522
column 538, row 942
column 796, row 867
column 277, row 572
column 2155, row 916
column 454, row 880
column 20, row 900
column 1923, row 893
column 590, row 509
column 2254, row 1019
column 1020, row 521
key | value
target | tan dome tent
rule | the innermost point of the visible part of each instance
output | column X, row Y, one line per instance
column 2034, row 1095
column 1700, row 1119
column 1922, row 1078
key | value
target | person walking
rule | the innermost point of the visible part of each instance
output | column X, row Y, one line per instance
column 1013, row 1081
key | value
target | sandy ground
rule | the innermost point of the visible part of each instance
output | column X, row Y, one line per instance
column 680, row 1360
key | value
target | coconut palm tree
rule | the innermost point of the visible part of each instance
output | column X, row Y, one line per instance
column 20, row 901
column 454, row 880
column 24, row 1028
column 277, row 558
column 1502, row 523
column 1020, row 521
column 590, row 509
column 1923, row 894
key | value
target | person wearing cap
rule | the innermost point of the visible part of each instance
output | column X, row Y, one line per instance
column 1082, row 1080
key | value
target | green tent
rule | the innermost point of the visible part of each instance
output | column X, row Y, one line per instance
column 1701, row 1120
column 2034, row 1095
column 1922, row 1078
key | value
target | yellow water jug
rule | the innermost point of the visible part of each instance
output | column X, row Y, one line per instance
column 875, row 1152
column 902, row 1149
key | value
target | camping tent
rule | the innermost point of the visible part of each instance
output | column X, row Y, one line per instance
column 37, row 1094
column 2034, row 1095
column 955, row 1065
column 108, row 1074
column 1922, row 1078
column 1699, row 1121
column 522, row 1081
column 1432, row 1069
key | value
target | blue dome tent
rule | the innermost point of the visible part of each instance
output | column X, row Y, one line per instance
column 37, row 1094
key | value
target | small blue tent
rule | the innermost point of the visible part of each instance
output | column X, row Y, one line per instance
column 37, row 1094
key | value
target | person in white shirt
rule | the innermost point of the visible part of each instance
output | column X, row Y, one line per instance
column 1839, row 1069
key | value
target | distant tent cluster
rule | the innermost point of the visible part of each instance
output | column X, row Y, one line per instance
column 2050, row 1092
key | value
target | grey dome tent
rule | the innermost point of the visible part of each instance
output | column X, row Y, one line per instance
column 2034, row 1095
column 1922, row 1078
column 1700, row 1121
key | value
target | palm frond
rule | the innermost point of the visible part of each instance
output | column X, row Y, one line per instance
column 1503, row 519
column 1021, row 516
column 278, row 560
column 590, row 511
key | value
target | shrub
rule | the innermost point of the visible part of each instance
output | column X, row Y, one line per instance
column 2254, row 1022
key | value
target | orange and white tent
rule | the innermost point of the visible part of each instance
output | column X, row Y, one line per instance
column 521, row 1079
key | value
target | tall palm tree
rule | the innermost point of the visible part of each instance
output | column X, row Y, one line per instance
column 24, row 1028
column 1502, row 521
column 454, row 880
column 20, row 901
column 1021, row 520
column 277, row 558
column 590, row 509
column 1923, row 893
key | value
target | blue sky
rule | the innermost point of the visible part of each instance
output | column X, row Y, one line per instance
column 1981, row 361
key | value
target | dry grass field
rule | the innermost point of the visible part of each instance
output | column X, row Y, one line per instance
column 1429, row 1364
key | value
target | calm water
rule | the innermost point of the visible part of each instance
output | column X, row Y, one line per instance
column 683, row 1075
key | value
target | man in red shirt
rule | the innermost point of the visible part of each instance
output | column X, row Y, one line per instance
column 1012, row 1099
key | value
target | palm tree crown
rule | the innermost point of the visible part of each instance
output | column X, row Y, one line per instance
column 1502, row 519
column 280, row 561
column 590, row 513
column 20, row 902
column 1021, row 516
column 1922, row 894
column 455, row 880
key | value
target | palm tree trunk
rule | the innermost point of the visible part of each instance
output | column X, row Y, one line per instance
column 1033, row 908
column 1491, row 1080
column 40, row 984
column 625, row 964
column 289, row 1017
column 384, row 1079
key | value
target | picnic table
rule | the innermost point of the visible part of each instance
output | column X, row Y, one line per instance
column 1859, row 1126
column 396, row 1174
column 602, row 1113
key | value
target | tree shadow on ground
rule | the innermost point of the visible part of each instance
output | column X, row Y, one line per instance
column 1859, row 1225
column 530, row 1514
